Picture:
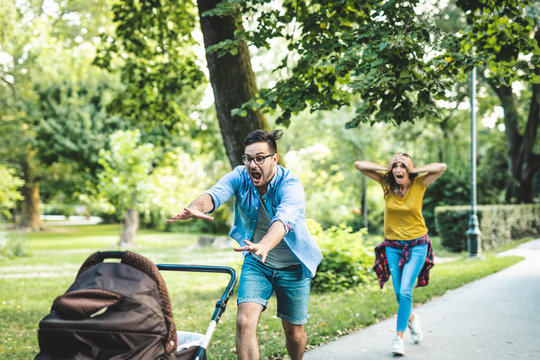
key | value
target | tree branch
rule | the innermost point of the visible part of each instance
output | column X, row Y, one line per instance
column 511, row 116
column 11, row 86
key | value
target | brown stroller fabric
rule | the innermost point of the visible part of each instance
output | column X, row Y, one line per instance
column 112, row 311
column 149, row 268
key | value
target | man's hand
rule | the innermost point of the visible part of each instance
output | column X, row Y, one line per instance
column 256, row 249
column 188, row 213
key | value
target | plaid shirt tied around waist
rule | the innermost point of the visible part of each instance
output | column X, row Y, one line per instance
column 381, row 262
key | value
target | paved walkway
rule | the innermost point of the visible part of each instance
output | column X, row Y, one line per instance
column 497, row 317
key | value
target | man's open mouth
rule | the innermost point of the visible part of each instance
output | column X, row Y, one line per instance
column 256, row 175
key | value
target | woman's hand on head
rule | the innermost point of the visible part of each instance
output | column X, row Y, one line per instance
column 410, row 166
column 405, row 160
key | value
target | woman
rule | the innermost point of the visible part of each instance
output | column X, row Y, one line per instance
column 406, row 252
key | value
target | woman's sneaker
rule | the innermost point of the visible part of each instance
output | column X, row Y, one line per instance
column 416, row 331
column 397, row 346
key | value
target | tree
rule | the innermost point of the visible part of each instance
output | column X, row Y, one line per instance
column 125, row 181
column 9, row 184
column 41, row 45
column 152, row 51
column 232, row 78
column 56, row 143
column 155, row 37
column 18, row 152
column 392, row 62
column 15, row 98
column 505, row 38
column 381, row 53
column 73, row 128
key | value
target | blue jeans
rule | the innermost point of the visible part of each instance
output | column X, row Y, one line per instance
column 258, row 281
column 404, row 279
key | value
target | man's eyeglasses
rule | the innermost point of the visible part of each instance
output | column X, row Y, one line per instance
column 259, row 160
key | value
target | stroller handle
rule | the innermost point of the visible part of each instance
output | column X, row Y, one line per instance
column 221, row 304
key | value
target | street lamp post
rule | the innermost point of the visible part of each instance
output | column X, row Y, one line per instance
column 474, row 235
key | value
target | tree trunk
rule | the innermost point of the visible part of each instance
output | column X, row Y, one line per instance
column 131, row 225
column 364, row 203
column 233, row 83
column 523, row 163
column 30, row 215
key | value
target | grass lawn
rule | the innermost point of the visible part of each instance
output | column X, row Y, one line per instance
column 29, row 284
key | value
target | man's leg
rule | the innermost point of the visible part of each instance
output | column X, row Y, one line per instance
column 296, row 340
column 292, row 294
column 247, row 318
column 254, row 290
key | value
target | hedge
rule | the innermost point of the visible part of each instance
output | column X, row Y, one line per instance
column 499, row 224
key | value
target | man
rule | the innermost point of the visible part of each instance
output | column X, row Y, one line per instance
column 270, row 226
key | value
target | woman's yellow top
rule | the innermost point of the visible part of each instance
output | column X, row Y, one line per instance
column 403, row 218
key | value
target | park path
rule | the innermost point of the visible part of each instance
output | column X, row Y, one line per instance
column 497, row 317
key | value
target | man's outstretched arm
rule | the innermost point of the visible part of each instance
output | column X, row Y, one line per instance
column 275, row 234
column 198, row 209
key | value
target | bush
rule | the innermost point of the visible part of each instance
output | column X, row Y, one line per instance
column 100, row 208
column 499, row 224
column 450, row 189
column 347, row 260
column 58, row 209
column 10, row 246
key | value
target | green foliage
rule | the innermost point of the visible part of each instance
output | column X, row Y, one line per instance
column 504, row 38
column 392, row 61
column 324, row 183
column 322, row 154
column 72, row 129
column 449, row 189
column 347, row 260
column 502, row 35
column 125, row 180
column 74, row 125
column 176, row 181
column 58, row 209
column 384, row 53
column 492, row 158
column 499, row 224
column 153, row 48
column 9, row 184
column 394, row 56
column 51, row 100
column 11, row 245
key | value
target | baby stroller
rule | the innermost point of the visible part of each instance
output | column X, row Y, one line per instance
column 121, row 310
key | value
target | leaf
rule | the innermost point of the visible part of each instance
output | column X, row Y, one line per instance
column 239, row 112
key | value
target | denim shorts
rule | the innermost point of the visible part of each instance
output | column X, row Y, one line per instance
column 258, row 281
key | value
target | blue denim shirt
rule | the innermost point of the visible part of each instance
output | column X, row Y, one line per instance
column 284, row 202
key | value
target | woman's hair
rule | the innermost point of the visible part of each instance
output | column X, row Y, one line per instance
column 263, row 136
column 389, row 182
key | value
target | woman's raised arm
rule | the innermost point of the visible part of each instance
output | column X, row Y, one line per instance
column 370, row 169
column 434, row 171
